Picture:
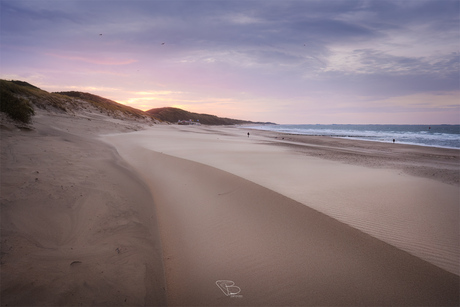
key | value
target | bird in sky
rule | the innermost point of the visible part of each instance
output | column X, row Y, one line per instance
column 162, row 43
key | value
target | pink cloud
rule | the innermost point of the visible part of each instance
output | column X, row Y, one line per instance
column 94, row 60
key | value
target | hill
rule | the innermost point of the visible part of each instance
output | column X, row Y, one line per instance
column 107, row 105
column 18, row 99
column 34, row 96
column 174, row 115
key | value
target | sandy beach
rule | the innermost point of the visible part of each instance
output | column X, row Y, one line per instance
column 97, row 213
column 267, row 218
column 77, row 225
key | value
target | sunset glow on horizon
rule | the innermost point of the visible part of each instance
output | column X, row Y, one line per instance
column 289, row 62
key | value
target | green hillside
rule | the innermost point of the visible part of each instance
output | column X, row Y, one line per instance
column 174, row 115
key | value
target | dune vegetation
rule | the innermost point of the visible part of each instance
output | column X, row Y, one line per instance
column 16, row 107
column 104, row 104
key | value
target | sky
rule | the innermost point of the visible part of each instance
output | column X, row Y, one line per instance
column 288, row 62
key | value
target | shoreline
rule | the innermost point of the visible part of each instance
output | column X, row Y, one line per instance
column 365, row 140
column 348, row 137
column 387, row 154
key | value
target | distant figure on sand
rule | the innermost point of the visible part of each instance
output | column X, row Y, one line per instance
column 248, row 134
column 393, row 140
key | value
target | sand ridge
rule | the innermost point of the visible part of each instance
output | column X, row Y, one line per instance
column 78, row 227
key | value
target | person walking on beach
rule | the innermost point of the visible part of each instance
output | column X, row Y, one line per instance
column 248, row 134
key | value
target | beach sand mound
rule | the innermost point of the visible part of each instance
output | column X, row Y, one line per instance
column 78, row 227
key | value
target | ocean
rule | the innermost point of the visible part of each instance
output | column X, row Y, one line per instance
column 447, row 136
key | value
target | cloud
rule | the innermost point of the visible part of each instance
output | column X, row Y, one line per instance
column 93, row 89
column 372, row 61
column 94, row 60
column 150, row 93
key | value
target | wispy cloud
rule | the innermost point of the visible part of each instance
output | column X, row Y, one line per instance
column 93, row 59
column 156, row 93
column 95, row 89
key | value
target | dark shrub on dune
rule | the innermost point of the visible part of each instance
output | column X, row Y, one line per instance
column 17, row 108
